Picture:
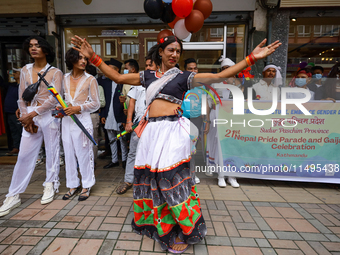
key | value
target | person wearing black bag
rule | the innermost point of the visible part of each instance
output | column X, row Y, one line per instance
column 38, row 123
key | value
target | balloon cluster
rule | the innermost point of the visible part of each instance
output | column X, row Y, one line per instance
column 184, row 16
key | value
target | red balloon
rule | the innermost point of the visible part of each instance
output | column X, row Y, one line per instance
column 172, row 24
column 163, row 33
column 204, row 6
column 194, row 22
column 182, row 8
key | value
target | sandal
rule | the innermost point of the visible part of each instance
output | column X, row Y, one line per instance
column 124, row 187
column 70, row 193
column 82, row 197
column 180, row 251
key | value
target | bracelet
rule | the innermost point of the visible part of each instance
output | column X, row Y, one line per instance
column 251, row 60
column 93, row 56
column 96, row 60
column 128, row 122
column 207, row 121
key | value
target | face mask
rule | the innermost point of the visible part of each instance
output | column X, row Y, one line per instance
column 126, row 71
column 300, row 82
column 317, row 76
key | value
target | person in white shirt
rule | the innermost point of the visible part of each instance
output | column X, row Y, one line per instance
column 271, row 78
column 82, row 97
column 38, row 123
column 302, row 79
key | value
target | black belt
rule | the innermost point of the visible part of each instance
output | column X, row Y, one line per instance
column 169, row 118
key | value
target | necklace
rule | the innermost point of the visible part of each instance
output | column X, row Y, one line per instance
column 159, row 70
column 77, row 77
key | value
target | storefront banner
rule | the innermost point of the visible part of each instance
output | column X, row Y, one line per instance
column 294, row 146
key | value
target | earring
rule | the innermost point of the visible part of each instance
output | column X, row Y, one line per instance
column 160, row 57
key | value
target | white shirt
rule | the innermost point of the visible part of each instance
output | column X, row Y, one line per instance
column 264, row 91
column 110, row 122
column 138, row 93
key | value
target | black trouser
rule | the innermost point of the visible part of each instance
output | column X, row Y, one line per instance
column 15, row 129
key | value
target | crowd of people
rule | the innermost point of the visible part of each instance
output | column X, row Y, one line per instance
column 157, row 155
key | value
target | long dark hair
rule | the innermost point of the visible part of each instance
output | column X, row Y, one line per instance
column 153, row 53
column 46, row 47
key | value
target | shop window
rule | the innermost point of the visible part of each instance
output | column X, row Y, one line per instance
column 291, row 31
column 303, row 31
column 216, row 32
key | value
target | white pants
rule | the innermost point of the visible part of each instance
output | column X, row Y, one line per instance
column 49, row 131
column 114, row 149
column 78, row 146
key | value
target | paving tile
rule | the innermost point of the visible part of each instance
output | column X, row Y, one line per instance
column 243, row 242
column 118, row 253
column 235, row 216
column 8, row 231
column 61, row 246
column 91, row 234
column 225, row 250
column 253, row 212
column 60, row 215
column 322, row 219
column 10, row 239
column 246, row 226
column 268, row 212
column 115, row 220
column 263, row 243
column 288, row 235
column 320, row 226
column 268, row 251
column 13, row 223
column 217, row 240
column 313, row 237
column 36, row 205
column 97, row 213
column 247, row 251
column 50, row 224
column 335, row 230
column 91, row 247
column 334, row 220
column 71, row 204
column 114, row 211
column 85, row 223
column 27, row 240
column 45, row 214
column 71, row 233
column 304, row 213
column 113, row 235
column 111, row 227
column 285, row 244
column 75, row 210
column 54, row 232
column 57, row 204
column 33, row 224
column 231, row 229
column 219, row 212
column 102, row 201
column 288, row 252
column 332, row 238
column 25, row 214
column 219, row 229
column 319, row 248
column 225, row 218
column 269, row 234
column 123, row 212
column 302, row 225
column 96, row 223
column 147, row 244
column 251, row 233
column 130, row 236
column 41, row 246
column 278, row 224
column 288, row 212
column 24, row 250
column 73, row 218
column 261, row 223
column 36, row 232
column 11, row 249
column 128, row 245
column 200, row 250
column 331, row 246
column 305, row 248
column 85, row 210
column 246, row 216
column 67, row 225
column 107, row 247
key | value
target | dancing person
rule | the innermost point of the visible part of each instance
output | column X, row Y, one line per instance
column 38, row 123
column 166, row 202
column 82, row 97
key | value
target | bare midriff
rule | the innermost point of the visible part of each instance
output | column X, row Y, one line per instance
column 161, row 107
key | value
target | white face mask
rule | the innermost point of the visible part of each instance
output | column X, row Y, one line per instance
column 126, row 71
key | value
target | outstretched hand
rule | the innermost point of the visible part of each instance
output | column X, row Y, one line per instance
column 81, row 45
column 262, row 52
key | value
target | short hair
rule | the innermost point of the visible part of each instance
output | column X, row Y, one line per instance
column 91, row 70
column 72, row 57
column 132, row 63
column 317, row 68
column 188, row 61
column 46, row 47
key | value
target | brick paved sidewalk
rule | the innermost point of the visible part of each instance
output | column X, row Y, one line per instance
column 261, row 217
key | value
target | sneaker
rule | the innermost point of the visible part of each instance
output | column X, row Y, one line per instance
column 39, row 162
column 48, row 193
column 209, row 174
column 61, row 161
column 197, row 180
column 9, row 204
column 221, row 182
column 232, row 181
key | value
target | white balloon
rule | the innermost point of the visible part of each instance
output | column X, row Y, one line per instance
column 180, row 30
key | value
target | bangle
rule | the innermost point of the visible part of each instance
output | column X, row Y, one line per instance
column 93, row 55
column 248, row 61
column 96, row 60
column 128, row 122
column 207, row 121
column 253, row 56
